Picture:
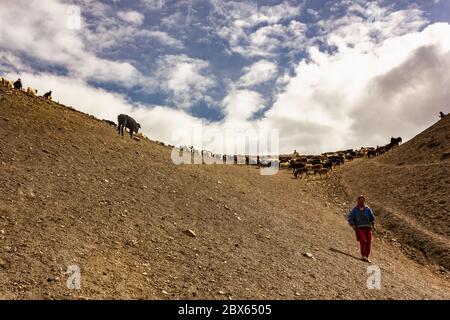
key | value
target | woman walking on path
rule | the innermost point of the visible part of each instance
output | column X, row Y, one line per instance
column 362, row 220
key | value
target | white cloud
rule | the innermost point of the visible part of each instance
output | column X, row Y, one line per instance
column 154, row 4
column 133, row 17
column 356, row 97
column 275, row 27
column 42, row 34
column 259, row 72
column 240, row 105
column 185, row 78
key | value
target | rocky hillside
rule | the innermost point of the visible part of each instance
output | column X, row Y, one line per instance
column 73, row 192
column 410, row 189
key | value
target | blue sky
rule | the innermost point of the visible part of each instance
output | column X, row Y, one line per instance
column 308, row 69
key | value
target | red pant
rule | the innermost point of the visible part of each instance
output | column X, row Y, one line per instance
column 364, row 236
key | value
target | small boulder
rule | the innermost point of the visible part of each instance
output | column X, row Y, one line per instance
column 309, row 255
column 190, row 233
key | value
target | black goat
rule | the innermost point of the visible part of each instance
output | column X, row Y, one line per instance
column 126, row 121
column 48, row 95
column 18, row 84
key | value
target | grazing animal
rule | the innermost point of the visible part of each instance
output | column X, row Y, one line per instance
column 396, row 141
column 441, row 114
column 300, row 171
column 126, row 121
column 18, row 84
column 321, row 172
column 328, row 165
column 336, row 160
column 296, row 164
column 31, row 91
column 317, row 167
column 371, row 153
column 380, row 150
column 48, row 95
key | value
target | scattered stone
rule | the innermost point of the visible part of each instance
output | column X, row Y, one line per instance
column 221, row 292
column 297, row 294
column 136, row 138
column 45, row 151
column 2, row 263
column 164, row 292
column 309, row 255
column 219, row 182
column 226, row 207
column 210, row 199
column 131, row 243
column 106, row 180
column 191, row 233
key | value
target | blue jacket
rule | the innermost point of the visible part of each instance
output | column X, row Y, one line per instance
column 361, row 219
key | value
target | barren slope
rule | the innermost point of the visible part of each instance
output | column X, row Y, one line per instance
column 410, row 189
column 73, row 192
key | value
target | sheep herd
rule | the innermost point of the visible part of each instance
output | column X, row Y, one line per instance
column 322, row 165
column 18, row 85
column 301, row 165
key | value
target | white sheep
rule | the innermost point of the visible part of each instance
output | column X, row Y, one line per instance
column 7, row 83
column 31, row 91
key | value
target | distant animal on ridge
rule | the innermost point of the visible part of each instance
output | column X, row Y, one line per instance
column 8, row 83
column 18, row 84
column 126, row 121
column 31, row 91
column 395, row 142
column 48, row 95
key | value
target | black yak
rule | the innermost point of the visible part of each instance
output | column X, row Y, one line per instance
column 126, row 121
